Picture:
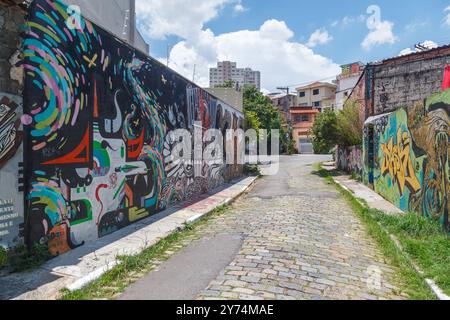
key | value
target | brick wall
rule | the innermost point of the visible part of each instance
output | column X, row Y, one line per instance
column 404, row 81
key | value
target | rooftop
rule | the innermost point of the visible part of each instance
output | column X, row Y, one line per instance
column 316, row 85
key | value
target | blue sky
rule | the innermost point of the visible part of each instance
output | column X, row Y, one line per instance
column 203, row 30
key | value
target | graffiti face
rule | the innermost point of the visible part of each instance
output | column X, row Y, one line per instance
column 100, row 113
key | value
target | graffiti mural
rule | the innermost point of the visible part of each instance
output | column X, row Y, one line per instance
column 411, row 162
column 349, row 159
column 11, row 154
column 99, row 114
column 10, row 134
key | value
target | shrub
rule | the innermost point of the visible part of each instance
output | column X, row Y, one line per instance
column 3, row 257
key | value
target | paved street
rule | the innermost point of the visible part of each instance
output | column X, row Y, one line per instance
column 292, row 237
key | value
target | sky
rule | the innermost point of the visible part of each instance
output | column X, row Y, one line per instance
column 292, row 42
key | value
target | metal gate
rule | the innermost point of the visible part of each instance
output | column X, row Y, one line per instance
column 306, row 146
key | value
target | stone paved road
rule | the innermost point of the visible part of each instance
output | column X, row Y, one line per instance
column 300, row 240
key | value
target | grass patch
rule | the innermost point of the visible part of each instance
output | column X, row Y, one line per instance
column 19, row 259
column 252, row 170
column 425, row 242
column 412, row 283
column 131, row 268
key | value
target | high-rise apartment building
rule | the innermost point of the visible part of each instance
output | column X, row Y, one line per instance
column 228, row 71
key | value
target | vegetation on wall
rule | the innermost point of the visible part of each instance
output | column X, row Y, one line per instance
column 342, row 127
column 349, row 125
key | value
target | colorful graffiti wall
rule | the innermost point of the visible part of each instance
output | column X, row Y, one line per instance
column 97, row 118
column 411, row 160
column 11, row 171
column 349, row 159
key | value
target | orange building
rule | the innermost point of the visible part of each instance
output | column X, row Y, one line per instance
column 302, row 121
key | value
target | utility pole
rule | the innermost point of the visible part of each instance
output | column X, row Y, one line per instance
column 167, row 55
column 287, row 109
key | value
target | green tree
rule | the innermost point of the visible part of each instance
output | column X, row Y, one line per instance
column 227, row 84
column 343, row 128
column 349, row 125
column 324, row 132
column 261, row 114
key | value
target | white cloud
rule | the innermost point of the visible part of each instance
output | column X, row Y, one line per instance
column 239, row 7
column 406, row 51
column 427, row 44
column 447, row 18
column 319, row 37
column 156, row 17
column 381, row 33
column 348, row 20
column 269, row 49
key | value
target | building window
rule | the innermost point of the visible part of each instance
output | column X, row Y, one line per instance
column 316, row 92
column 298, row 118
column 317, row 104
column 302, row 94
column 305, row 118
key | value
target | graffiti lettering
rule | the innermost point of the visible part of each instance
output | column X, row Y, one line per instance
column 397, row 162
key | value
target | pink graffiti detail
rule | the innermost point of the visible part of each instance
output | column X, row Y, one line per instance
column 26, row 119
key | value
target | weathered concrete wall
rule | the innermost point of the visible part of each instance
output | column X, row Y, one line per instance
column 11, row 78
column 403, row 83
column 349, row 159
column 96, row 120
column 11, row 135
column 411, row 157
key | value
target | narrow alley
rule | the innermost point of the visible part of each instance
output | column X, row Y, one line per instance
column 292, row 236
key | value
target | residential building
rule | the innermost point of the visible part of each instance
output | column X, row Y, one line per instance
column 346, row 81
column 302, row 122
column 319, row 95
column 116, row 16
column 283, row 102
column 228, row 71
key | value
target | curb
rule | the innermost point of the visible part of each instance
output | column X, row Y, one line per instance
column 96, row 274
column 431, row 284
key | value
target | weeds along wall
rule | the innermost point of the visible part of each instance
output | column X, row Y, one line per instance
column 97, row 114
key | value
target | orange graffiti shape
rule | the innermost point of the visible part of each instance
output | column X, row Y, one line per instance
column 398, row 164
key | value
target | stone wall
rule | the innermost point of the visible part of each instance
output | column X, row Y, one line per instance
column 403, row 82
column 11, row 77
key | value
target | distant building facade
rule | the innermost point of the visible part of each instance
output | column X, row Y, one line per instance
column 284, row 102
column 319, row 95
column 346, row 81
column 228, row 71
column 302, row 122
